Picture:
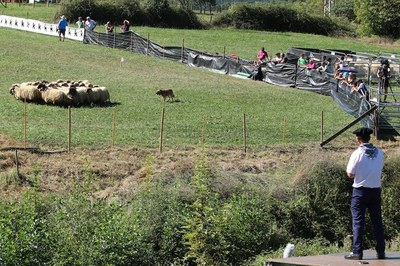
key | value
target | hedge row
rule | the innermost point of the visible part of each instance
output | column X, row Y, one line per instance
column 156, row 15
column 200, row 217
column 275, row 18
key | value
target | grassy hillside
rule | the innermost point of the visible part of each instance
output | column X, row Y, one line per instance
column 221, row 99
column 274, row 115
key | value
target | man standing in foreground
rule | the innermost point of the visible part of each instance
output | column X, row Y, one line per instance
column 365, row 166
column 62, row 26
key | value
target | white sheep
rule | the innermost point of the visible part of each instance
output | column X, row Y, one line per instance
column 78, row 95
column 98, row 95
column 27, row 92
column 104, row 94
column 93, row 95
column 55, row 97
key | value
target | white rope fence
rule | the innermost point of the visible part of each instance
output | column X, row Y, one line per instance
column 39, row 27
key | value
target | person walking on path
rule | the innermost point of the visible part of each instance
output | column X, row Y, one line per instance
column 365, row 166
column 62, row 26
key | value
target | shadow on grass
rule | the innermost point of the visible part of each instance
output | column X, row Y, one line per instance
column 100, row 105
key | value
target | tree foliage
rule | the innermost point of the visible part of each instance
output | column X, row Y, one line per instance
column 378, row 17
column 344, row 8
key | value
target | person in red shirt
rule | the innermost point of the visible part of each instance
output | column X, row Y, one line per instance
column 262, row 55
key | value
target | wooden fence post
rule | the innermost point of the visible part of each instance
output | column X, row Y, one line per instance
column 162, row 128
column 203, row 131
column 322, row 126
column 284, row 131
column 113, row 127
column 17, row 162
column 148, row 44
column 376, row 126
column 25, row 122
column 244, row 133
column 183, row 50
column 114, row 39
column 69, row 128
column 131, row 41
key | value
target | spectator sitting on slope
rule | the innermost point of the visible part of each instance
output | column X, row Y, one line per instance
column 277, row 59
column 311, row 64
column 262, row 55
column 109, row 27
column 302, row 60
column 125, row 26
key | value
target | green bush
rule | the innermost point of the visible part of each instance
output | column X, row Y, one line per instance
column 344, row 8
column 275, row 18
column 89, row 231
column 73, row 9
column 321, row 205
column 160, row 215
column 149, row 13
column 173, row 221
column 249, row 227
column 378, row 17
column 390, row 197
column 24, row 238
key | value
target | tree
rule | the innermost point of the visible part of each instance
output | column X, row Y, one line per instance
column 185, row 4
column 344, row 8
column 378, row 17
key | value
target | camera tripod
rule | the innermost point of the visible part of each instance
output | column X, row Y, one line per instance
column 382, row 82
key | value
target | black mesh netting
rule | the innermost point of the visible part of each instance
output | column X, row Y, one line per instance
column 287, row 74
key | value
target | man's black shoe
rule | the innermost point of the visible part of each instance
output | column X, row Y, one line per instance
column 353, row 256
column 380, row 255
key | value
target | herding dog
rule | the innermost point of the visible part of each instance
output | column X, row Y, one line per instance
column 168, row 93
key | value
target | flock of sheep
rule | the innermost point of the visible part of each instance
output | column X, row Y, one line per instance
column 60, row 92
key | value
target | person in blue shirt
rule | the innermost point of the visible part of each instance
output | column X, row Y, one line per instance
column 62, row 26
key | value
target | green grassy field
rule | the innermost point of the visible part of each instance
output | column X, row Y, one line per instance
column 274, row 115
column 270, row 110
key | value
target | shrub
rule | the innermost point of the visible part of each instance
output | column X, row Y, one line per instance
column 23, row 231
column 248, row 226
column 89, row 231
column 378, row 17
column 344, row 8
column 160, row 215
column 150, row 13
column 73, row 9
column 390, row 198
column 206, row 245
column 275, row 18
column 321, row 205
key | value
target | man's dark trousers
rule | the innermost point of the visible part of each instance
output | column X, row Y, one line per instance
column 362, row 199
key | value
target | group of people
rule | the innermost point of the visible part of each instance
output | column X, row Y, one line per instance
column 263, row 56
column 109, row 27
column 350, row 79
column 89, row 24
column 338, row 69
column 323, row 66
